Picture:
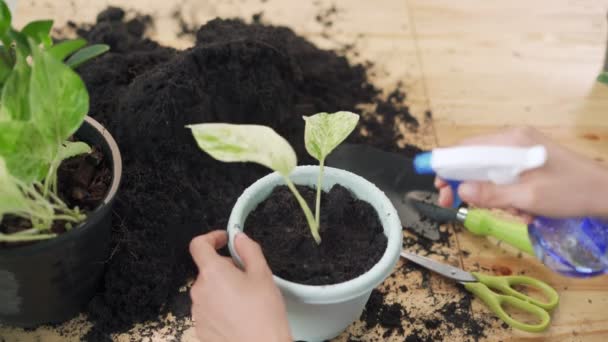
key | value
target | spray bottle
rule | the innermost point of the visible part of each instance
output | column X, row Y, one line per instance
column 576, row 247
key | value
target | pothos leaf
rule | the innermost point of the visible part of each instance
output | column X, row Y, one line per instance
column 603, row 77
column 324, row 132
column 246, row 143
column 66, row 48
column 6, row 65
column 58, row 98
column 26, row 156
column 71, row 149
column 39, row 31
column 5, row 18
column 12, row 200
column 86, row 54
column 15, row 101
column 20, row 41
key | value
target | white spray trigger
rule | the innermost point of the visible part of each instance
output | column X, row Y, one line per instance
column 536, row 157
column 497, row 164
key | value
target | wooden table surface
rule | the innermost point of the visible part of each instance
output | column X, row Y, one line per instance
column 480, row 66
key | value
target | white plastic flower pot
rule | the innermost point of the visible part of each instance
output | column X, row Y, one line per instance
column 318, row 313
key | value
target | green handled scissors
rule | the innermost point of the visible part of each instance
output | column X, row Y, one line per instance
column 482, row 286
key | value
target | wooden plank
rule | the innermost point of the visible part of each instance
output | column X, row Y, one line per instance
column 516, row 62
column 491, row 66
column 591, row 141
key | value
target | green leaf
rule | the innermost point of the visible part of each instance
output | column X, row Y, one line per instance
column 86, row 54
column 324, row 132
column 5, row 64
column 21, row 42
column 24, row 150
column 39, row 31
column 5, row 19
column 15, row 101
column 603, row 77
column 12, row 200
column 66, row 48
column 59, row 100
column 246, row 143
column 71, row 149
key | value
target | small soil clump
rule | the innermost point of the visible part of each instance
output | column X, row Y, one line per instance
column 353, row 239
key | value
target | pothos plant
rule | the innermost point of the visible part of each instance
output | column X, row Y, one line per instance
column 42, row 104
column 262, row 145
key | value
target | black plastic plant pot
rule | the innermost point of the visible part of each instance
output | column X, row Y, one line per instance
column 51, row 281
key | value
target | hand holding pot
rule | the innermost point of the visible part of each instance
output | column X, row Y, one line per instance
column 229, row 304
column 568, row 185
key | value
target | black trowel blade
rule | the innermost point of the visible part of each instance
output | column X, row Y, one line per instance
column 420, row 201
column 394, row 174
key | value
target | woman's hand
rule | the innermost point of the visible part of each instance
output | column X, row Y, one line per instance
column 229, row 304
column 568, row 185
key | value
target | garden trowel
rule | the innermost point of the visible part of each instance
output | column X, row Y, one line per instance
column 394, row 174
column 477, row 221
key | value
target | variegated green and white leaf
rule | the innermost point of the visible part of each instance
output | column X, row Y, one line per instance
column 324, row 132
column 12, row 200
column 246, row 143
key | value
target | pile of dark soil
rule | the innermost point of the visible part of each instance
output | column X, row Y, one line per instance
column 145, row 94
column 352, row 237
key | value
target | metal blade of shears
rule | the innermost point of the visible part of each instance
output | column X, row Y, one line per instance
column 445, row 270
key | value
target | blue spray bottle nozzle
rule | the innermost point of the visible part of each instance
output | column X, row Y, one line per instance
column 454, row 185
column 423, row 164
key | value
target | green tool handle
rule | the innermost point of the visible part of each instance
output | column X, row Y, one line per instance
column 495, row 303
column 482, row 222
column 504, row 285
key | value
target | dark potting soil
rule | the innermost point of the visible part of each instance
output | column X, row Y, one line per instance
column 450, row 317
column 389, row 316
column 352, row 237
column 145, row 94
column 82, row 182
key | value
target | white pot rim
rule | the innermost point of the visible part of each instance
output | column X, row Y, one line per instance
column 326, row 294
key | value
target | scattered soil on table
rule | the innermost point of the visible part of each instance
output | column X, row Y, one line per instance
column 279, row 225
column 145, row 94
column 389, row 316
column 326, row 16
column 452, row 317
column 82, row 182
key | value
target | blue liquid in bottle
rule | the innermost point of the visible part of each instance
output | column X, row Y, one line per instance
column 574, row 247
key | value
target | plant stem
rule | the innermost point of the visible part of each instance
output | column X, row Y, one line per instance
column 69, row 218
column 314, row 229
column 50, row 182
column 22, row 238
column 30, row 231
column 42, row 211
column 318, row 203
column 58, row 200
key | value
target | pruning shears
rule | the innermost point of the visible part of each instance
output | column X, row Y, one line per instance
column 486, row 288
